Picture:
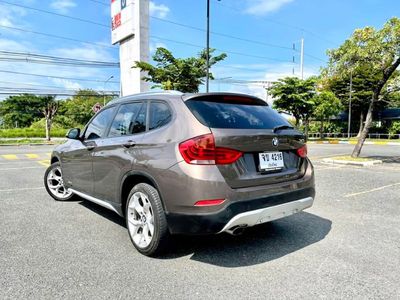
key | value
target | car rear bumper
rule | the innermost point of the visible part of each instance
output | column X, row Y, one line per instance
column 242, row 213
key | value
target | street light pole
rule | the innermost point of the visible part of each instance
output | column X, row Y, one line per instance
column 208, row 47
column 104, row 89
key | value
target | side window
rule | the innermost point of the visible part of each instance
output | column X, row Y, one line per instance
column 130, row 119
column 159, row 115
column 99, row 124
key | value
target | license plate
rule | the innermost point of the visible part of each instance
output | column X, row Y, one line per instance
column 271, row 161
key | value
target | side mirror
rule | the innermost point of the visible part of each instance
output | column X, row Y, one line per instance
column 74, row 134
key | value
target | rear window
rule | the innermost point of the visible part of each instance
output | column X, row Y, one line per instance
column 235, row 114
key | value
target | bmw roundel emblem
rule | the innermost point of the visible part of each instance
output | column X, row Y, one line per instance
column 275, row 142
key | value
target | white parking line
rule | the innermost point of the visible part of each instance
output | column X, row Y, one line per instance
column 373, row 190
column 21, row 189
column 22, row 168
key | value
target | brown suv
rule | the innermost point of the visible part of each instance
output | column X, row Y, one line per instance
column 174, row 163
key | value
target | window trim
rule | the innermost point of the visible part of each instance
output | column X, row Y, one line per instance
column 148, row 114
column 115, row 106
column 119, row 106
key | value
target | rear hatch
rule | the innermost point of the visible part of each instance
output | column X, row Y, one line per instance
column 268, row 142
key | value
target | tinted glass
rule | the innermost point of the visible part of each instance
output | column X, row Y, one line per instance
column 159, row 115
column 235, row 115
column 130, row 119
column 98, row 126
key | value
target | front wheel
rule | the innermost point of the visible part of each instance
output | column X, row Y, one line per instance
column 146, row 221
column 54, row 183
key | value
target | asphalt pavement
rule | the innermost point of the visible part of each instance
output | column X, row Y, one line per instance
column 346, row 246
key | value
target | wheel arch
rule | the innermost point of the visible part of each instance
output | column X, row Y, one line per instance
column 130, row 180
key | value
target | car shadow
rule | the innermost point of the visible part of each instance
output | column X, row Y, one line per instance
column 104, row 212
column 256, row 245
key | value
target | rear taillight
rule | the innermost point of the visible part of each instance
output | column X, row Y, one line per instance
column 302, row 151
column 201, row 150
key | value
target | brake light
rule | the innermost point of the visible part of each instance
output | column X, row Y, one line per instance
column 201, row 150
column 212, row 202
column 302, row 151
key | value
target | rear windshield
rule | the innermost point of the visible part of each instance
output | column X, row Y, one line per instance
column 215, row 114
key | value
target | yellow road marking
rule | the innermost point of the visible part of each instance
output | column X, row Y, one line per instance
column 373, row 190
column 32, row 156
column 45, row 162
column 48, row 154
column 10, row 156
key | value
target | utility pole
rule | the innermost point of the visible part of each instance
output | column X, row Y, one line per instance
column 104, row 89
column 351, row 91
column 208, row 47
column 302, row 58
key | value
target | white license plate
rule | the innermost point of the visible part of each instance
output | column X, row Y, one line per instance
column 271, row 161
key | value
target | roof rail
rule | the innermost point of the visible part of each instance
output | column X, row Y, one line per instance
column 162, row 92
column 172, row 92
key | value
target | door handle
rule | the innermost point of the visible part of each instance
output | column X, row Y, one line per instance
column 90, row 146
column 129, row 144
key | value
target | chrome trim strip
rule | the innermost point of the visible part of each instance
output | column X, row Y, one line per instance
column 95, row 200
column 263, row 215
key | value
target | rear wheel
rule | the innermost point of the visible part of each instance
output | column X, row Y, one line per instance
column 54, row 183
column 146, row 221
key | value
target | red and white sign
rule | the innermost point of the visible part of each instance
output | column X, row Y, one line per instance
column 122, row 20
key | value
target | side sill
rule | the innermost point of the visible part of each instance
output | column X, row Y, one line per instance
column 97, row 201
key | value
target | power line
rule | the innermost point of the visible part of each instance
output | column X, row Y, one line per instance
column 57, row 36
column 221, row 34
column 221, row 50
column 153, row 17
column 282, row 24
column 56, row 77
column 100, row 2
column 55, row 14
column 47, row 59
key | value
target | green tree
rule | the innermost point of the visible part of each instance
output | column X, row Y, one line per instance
column 21, row 110
column 182, row 74
column 295, row 96
column 77, row 111
column 375, row 50
column 326, row 105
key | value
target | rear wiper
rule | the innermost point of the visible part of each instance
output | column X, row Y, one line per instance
column 279, row 127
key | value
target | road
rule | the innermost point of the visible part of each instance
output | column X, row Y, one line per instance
column 346, row 246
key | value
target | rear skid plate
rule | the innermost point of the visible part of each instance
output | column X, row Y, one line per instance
column 263, row 215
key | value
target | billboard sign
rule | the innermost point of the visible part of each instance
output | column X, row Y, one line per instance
column 122, row 13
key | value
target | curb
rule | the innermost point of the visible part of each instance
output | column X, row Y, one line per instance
column 353, row 143
column 352, row 163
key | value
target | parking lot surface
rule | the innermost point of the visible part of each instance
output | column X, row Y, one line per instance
column 346, row 246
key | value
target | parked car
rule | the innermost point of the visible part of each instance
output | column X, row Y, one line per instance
column 173, row 163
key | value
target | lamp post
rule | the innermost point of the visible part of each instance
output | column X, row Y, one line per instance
column 104, row 89
column 208, row 47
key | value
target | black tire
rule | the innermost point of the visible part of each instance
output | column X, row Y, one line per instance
column 161, row 236
column 51, row 168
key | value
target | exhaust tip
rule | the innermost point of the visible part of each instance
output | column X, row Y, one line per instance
column 237, row 230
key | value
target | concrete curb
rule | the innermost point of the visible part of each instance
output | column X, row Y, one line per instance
column 369, row 163
column 353, row 142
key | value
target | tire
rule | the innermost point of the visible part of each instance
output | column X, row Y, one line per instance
column 146, row 221
column 54, row 184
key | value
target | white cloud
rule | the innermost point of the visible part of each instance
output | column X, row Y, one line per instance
column 159, row 11
column 63, row 6
column 10, row 14
column 263, row 7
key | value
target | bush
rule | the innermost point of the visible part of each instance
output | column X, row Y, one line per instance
column 31, row 132
column 394, row 128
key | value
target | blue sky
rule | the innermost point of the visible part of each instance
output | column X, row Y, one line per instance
column 270, row 26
